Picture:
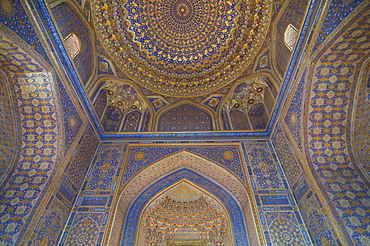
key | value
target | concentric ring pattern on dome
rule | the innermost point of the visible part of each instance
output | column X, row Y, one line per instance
column 182, row 47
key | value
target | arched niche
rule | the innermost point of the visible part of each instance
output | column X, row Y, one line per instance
column 184, row 212
column 210, row 176
column 101, row 102
column 258, row 116
column 185, row 115
column 239, row 229
column 249, row 103
column 120, row 102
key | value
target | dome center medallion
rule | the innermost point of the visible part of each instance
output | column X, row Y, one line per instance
column 182, row 10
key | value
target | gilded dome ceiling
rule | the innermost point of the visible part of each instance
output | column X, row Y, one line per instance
column 182, row 47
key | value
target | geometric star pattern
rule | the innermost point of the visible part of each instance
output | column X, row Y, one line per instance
column 333, row 76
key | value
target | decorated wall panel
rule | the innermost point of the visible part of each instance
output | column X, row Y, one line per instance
column 35, row 93
column 132, row 122
column 14, row 17
column 294, row 116
column 239, row 227
column 278, row 209
column 112, row 119
column 334, row 74
column 80, row 161
column 51, row 224
column 8, row 128
column 92, row 207
column 100, row 103
column 335, row 188
column 68, row 20
column 185, row 118
column 123, row 107
column 239, row 120
column 293, row 14
column 337, row 12
column 361, row 123
column 72, row 120
column 318, row 224
column 131, row 168
column 170, row 162
column 248, row 105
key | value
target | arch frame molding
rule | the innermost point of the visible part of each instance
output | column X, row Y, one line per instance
column 162, row 174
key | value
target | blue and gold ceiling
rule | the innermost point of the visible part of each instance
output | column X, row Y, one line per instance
column 182, row 48
column 156, row 61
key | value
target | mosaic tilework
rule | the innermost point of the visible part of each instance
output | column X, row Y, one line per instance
column 338, row 10
column 293, row 117
column 334, row 73
column 154, row 153
column 264, row 61
column 213, row 102
column 264, row 167
column 185, row 118
column 361, row 125
column 100, row 103
column 226, row 199
column 8, row 129
column 273, row 195
column 293, row 14
column 15, row 18
column 96, row 195
column 145, row 126
column 157, row 103
column 321, row 234
column 287, row 157
column 171, row 164
column 239, row 120
column 68, row 21
column 112, row 119
column 104, row 169
column 84, row 229
column 104, row 66
column 132, row 122
column 50, row 225
column 319, row 228
column 35, row 93
column 284, row 230
column 72, row 119
column 77, row 167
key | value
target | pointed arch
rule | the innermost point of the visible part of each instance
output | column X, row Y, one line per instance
column 203, row 110
column 238, row 224
column 204, row 173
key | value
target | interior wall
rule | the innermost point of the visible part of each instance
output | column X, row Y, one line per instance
column 41, row 184
column 22, row 195
column 119, row 165
column 69, row 20
column 326, row 178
